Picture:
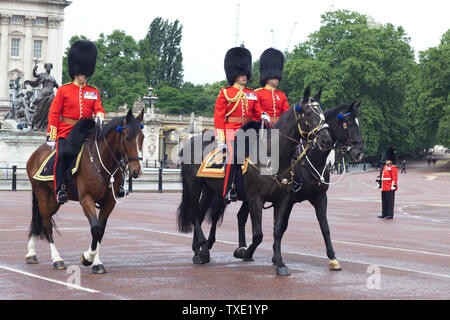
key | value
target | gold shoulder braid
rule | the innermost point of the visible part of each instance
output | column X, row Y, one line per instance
column 240, row 95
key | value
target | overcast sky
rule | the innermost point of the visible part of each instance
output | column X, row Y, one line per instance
column 209, row 26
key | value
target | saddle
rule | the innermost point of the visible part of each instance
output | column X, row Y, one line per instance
column 213, row 165
column 45, row 172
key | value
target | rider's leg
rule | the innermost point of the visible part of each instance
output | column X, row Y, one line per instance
column 59, row 173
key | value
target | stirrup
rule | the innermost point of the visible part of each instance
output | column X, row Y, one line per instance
column 62, row 197
column 231, row 196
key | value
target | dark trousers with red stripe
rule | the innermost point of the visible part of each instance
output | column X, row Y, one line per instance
column 230, row 168
column 59, row 169
column 233, row 173
column 387, row 202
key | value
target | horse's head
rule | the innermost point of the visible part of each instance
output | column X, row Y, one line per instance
column 344, row 127
column 131, row 142
column 311, row 120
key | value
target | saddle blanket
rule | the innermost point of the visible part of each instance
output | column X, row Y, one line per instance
column 45, row 172
column 213, row 165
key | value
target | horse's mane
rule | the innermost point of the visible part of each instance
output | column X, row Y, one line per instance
column 333, row 113
column 256, row 125
column 133, row 126
column 284, row 118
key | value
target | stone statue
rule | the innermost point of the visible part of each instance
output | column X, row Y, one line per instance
column 44, row 100
column 22, row 110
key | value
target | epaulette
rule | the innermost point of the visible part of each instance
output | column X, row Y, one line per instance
column 88, row 85
column 258, row 89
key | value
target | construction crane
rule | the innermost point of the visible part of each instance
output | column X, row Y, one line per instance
column 273, row 38
column 290, row 36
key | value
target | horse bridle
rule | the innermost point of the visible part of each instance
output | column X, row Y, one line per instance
column 127, row 158
column 344, row 148
column 310, row 137
column 349, row 142
column 121, row 164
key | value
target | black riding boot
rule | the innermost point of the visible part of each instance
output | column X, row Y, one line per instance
column 60, row 175
column 231, row 193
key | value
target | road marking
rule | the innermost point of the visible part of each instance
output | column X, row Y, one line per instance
column 290, row 252
column 393, row 248
column 66, row 284
column 420, row 217
column 319, row 256
column 381, row 266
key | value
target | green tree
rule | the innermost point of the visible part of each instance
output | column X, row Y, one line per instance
column 119, row 72
column 430, row 97
column 354, row 61
column 161, row 53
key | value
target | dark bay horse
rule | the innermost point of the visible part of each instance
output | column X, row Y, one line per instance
column 305, row 120
column 312, row 179
column 105, row 156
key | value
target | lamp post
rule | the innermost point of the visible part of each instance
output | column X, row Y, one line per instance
column 150, row 100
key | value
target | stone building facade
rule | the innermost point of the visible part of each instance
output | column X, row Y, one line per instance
column 29, row 30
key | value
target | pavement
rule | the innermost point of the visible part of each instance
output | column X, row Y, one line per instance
column 407, row 258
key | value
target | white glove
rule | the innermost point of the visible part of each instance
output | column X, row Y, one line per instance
column 51, row 144
column 265, row 117
column 98, row 121
column 222, row 146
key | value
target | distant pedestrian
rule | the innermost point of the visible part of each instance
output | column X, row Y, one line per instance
column 404, row 166
column 388, row 187
column 434, row 162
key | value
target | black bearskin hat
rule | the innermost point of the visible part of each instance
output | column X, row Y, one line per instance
column 271, row 65
column 238, row 62
column 82, row 58
column 391, row 154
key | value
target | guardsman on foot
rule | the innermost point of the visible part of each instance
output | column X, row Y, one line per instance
column 73, row 102
column 272, row 101
column 389, row 185
column 235, row 106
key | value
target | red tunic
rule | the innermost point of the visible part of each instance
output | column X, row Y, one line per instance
column 389, row 178
column 235, row 106
column 272, row 101
column 74, row 103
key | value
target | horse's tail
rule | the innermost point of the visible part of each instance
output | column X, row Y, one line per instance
column 216, row 209
column 37, row 226
column 184, row 212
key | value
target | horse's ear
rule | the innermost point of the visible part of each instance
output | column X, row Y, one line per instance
column 140, row 117
column 355, row 108
column 307, row 94
column 318, row 94
column 129, row 115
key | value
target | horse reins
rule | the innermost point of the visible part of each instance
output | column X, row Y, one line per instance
column 304, row 135
column 346, row 147
column 120, row 164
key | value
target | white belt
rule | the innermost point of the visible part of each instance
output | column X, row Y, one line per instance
column 386, row 179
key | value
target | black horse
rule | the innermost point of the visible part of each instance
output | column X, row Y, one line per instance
column 312, row 179
column 304, row 122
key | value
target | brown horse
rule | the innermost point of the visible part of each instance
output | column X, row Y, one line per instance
column 106, row 156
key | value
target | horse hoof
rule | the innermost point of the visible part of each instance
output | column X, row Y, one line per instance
column 31, row 260
column 334, row 265
column 59, row 265
column 85, row 262
column 99, row 269
column 196, row 259
column 201, row 258
column 283, row 271
column 239, row 252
